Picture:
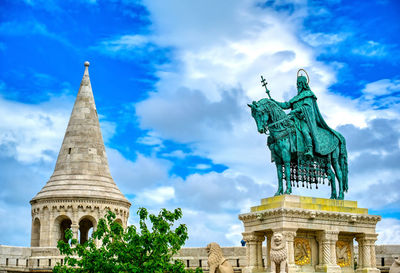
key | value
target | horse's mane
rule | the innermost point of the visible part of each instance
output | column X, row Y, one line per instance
column 274, row 111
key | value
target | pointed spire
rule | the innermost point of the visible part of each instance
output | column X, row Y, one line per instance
column 82, row 167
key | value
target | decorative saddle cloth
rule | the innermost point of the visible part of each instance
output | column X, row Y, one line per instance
column 324, row 142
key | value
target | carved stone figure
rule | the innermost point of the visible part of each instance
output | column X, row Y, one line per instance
column 343, row 253
column 302, row 145
column 216, row 261
column 302, row 251
column 395, row 268
column 278, row 253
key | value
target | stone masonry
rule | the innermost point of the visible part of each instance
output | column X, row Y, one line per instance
column 81, row 189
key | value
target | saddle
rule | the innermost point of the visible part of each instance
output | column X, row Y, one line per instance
column 325, row 142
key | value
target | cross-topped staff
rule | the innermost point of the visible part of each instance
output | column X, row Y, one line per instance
column 264, row 83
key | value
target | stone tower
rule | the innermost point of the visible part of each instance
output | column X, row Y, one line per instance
column 81, row 189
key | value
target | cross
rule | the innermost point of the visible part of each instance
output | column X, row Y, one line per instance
column 264, row 84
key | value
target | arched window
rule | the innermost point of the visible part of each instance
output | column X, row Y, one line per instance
column 86, row 225
column 62, row 223
column 35, row 239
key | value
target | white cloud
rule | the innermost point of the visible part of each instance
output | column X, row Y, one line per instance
column 381, row 87
column 389, row 231
column 201, row 99
column 177, row 153
column 108, row 129
column 158, row 196
column 220, row 50
column 36, row 130
column 132, row 177
column 371, row 49
column 202, row 166
column 323, row 39
column 150, row 140
column 123, row 43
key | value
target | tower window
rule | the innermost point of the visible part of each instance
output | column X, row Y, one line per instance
column 69, row 150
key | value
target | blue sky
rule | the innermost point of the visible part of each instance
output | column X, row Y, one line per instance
column 171, row 80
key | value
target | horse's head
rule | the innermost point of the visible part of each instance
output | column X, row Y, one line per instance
column 260, row 116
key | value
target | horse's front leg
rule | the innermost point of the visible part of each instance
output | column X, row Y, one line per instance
column 287, row 175
column 279, row 171
column 286, row 156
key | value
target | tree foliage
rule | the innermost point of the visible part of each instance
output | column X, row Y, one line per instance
column 148, row 249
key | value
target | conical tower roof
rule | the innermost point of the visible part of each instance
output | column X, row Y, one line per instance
column 82, row 168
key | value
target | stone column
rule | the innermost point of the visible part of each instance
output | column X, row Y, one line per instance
column 289, row 237
column 366, row 253
column 327, row 251
column 373, row 254
column 268, row 263
column 360, row 262
column 42, row 234
column 51, row 226
column 334, row 238
column 253, row 252
column 75, row 229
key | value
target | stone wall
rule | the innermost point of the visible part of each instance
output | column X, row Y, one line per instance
column 385, row 256
column 34, row 259
column 194, row 257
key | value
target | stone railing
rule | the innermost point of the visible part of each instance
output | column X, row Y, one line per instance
column 194, row 257
column 26, row 259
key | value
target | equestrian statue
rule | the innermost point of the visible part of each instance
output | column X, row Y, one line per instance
column 305, row 149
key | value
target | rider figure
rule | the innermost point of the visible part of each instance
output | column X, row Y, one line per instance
column 304, row 109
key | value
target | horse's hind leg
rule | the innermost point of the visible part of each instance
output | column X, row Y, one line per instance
column 338, row 172
column 279, row 170
column 331, row 178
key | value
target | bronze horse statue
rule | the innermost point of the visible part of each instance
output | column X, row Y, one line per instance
column 285, row 143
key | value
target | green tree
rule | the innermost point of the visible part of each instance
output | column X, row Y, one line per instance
column 144, row 250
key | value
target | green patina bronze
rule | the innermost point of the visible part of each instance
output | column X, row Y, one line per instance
column 305, row 150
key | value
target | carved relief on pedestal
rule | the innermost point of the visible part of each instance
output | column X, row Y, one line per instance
column 302, row 251
column 343, row 253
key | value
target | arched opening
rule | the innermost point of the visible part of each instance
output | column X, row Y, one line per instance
column 35, row 235
column 61, row 224
column 119, row 221
column 64, row 225
column 86, row 225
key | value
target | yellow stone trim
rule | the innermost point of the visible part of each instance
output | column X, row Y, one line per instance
column 311, row 203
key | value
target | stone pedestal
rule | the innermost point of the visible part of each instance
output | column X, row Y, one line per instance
column 318, row 233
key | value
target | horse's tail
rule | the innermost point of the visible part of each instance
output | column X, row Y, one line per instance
column 343, row 164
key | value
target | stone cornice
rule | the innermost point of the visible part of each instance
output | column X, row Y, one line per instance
column 310, row 214
column 81, row 200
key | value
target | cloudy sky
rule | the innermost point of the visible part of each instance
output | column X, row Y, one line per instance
column 171, row 81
